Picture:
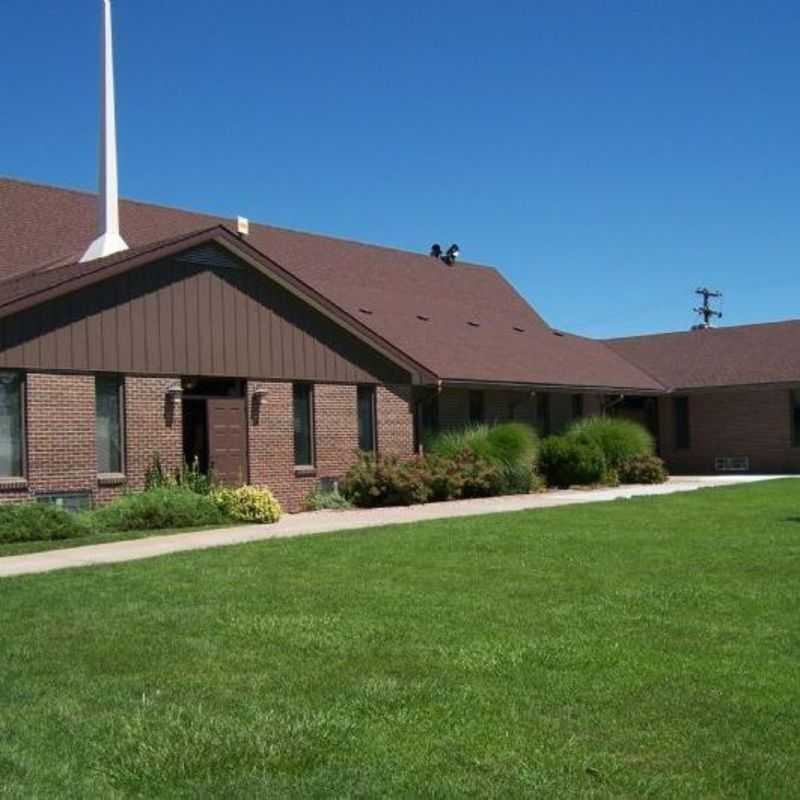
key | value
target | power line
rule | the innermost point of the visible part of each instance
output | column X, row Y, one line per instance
column 705, row 311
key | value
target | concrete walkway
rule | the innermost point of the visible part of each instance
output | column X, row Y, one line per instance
column 329, row 521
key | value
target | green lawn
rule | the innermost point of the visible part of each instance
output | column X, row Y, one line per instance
column 643, row 648
column 19, row 548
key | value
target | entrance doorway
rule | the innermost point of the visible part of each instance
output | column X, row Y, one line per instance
column 215, row 428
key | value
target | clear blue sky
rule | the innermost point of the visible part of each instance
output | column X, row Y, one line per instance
column 607, row 156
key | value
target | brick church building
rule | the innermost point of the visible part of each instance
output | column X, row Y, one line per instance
column 273, row 357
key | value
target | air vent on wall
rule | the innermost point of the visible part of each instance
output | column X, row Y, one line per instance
column 732, row 464
column 209, row 255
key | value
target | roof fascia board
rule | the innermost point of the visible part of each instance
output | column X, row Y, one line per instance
column 738, row 387
column 552, row 387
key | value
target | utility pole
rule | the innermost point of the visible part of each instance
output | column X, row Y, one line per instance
column 705, row 311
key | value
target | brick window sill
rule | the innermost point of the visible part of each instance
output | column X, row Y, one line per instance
column 305, row 472
column 13, row 484
column 111, row 479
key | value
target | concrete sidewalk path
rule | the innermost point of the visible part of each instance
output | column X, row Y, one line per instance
column 330, row 521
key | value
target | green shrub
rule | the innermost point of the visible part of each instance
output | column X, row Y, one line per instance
column 566, row 461
column 326, row 499
column 386, row 481
column 643, row 469
column 32, row 522
column 462, row 476
column 248, row 504
column 619, row 439
column 165, row 507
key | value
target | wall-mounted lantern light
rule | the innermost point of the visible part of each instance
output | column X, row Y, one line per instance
column 174, row 392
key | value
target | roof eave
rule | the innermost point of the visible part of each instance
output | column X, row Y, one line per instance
column 467, row 383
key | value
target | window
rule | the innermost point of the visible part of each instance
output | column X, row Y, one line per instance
column 11, row 437
column 303, row 425
column 366, row 418
column 475, row 407
column 543, row 414
column 682, row 432
column 796, row 418
column 426, row 421
column 577, row 406
column 108, row 424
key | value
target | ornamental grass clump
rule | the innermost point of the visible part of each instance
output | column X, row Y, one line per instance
column 513, row 444
column 510, row 446
column 450, row 444
column 619, row 439
column 248, row 504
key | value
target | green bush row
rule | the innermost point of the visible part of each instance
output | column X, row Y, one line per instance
column 478, row 461
column 164, row 507
column 601, row 450
column 486, row 460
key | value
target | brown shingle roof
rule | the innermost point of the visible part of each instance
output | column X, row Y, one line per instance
column 734, row 356
column 44, row 228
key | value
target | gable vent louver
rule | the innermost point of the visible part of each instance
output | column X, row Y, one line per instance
column 209, row 256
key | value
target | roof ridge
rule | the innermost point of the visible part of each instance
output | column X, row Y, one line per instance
column 791, row 321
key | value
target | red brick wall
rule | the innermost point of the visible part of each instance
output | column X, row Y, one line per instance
column 61, row 433
column 395, row 414
column 753, row 423
column 271, row 435
column 153, row 424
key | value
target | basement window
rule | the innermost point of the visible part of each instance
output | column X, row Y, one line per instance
column 795, row 417
column 11, row 438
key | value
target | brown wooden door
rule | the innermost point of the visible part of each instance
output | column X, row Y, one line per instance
column 227, row 440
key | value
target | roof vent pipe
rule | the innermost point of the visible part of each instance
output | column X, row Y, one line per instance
column 109, row 240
